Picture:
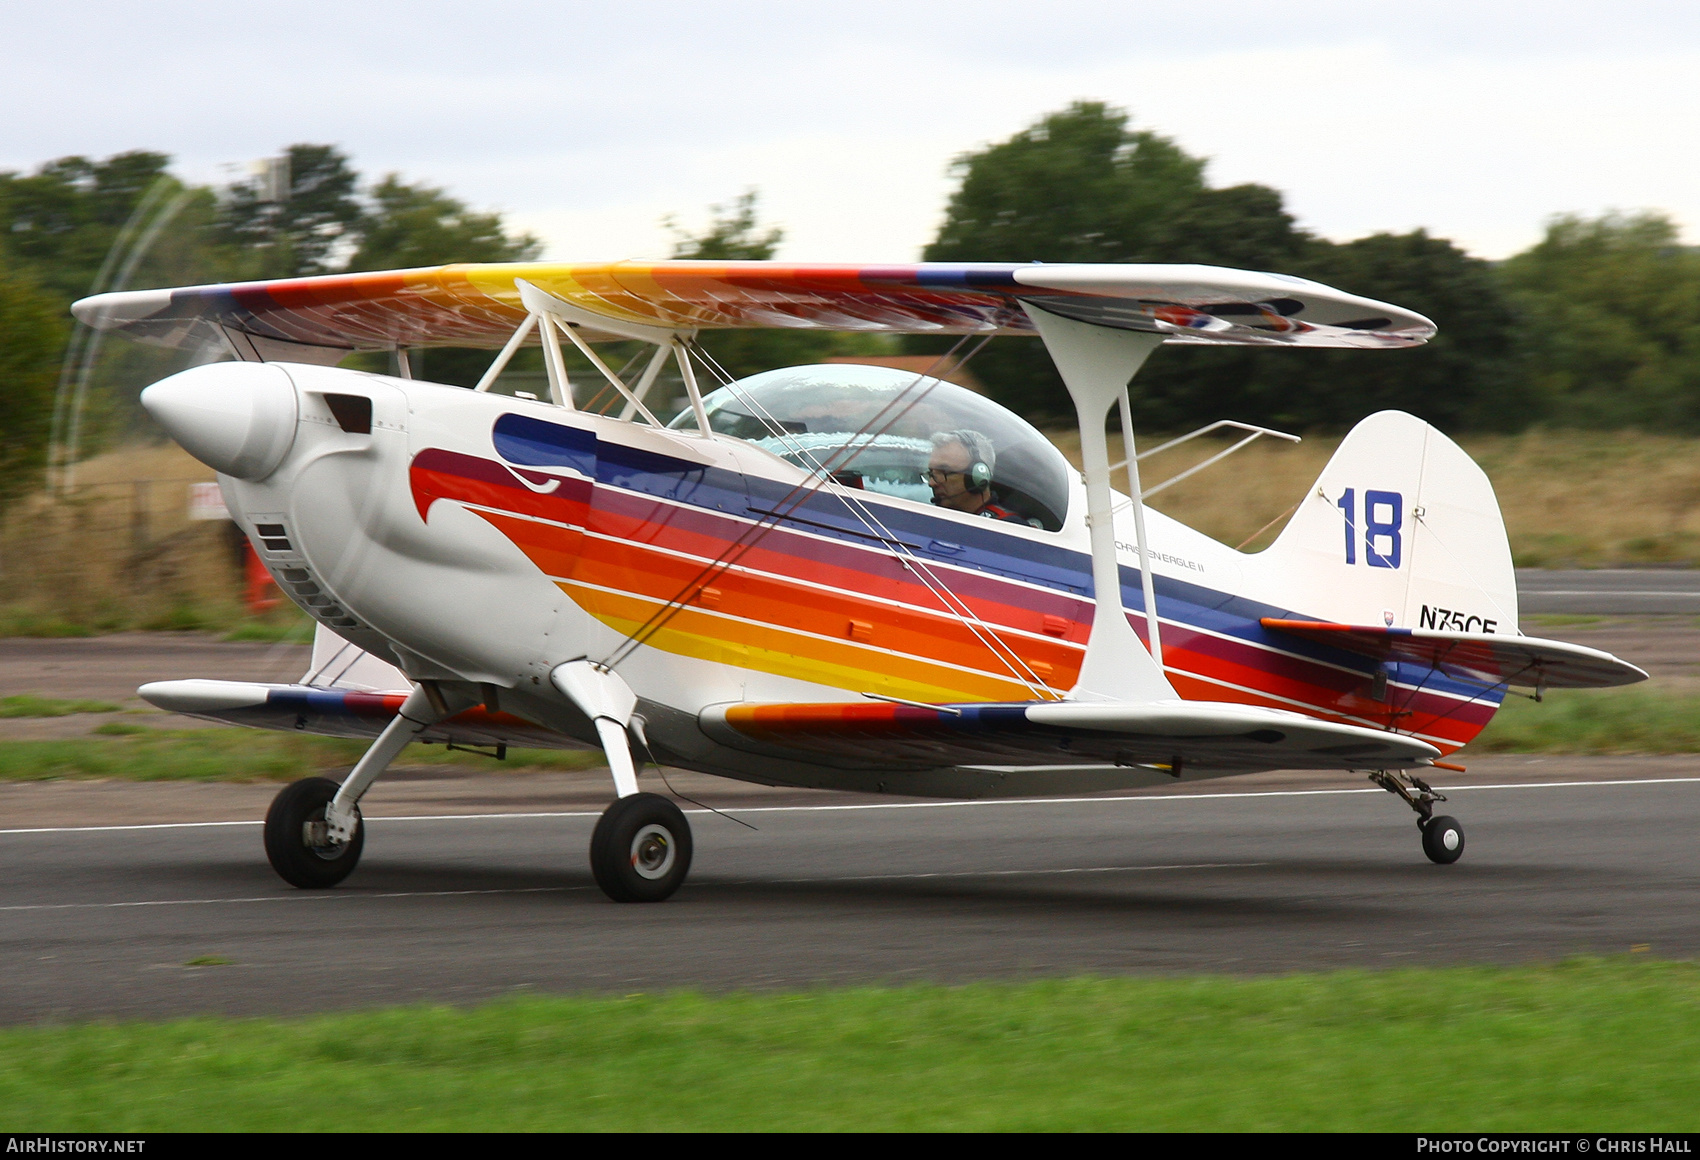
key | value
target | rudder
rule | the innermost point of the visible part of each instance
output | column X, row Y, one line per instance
column 1402, row 528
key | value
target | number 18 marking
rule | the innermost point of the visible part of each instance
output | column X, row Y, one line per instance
column 1376, row 528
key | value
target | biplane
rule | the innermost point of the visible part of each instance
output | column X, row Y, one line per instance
column 837, row 576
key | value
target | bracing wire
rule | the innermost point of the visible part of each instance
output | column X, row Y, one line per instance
column 734, row 551
column 920, row 568
column 821, row 472
column 607, row 388
column 661, row 771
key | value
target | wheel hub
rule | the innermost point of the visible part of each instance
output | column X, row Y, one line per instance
column 652, row 852
column 315, row 835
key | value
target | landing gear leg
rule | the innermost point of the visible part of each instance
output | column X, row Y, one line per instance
column 641, row 850
column 314, row 834
column 1443, row 837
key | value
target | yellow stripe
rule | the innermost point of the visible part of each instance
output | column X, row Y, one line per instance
column 786, row 654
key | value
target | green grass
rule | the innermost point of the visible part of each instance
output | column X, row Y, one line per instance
column 226, row 618
column 1633, row 720
column 119, row 729
column 27, row 705
column 15, row 622
column 139, row 753
column 1582, row 1046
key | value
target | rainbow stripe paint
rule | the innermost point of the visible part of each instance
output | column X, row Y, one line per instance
column 627, row 532
column 478, row 305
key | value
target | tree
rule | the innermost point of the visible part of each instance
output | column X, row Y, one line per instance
column 1078, row 186
column 1465, row 378
column 1614, row 305
column 61, row 221
column 420, row 225
column 32, row 334
column 732, row 235
column 78, row 226
column 1468, row 377
column 1081, row 186
column 735, row 236
column 311, row 229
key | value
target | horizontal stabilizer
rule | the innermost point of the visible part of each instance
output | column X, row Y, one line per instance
column 1174, row 736
column 1492, row 658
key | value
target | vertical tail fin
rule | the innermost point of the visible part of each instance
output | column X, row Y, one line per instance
column 1403, row 529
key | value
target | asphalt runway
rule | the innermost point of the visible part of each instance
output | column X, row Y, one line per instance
column 1609, row 591
column 1267, row 873
column 102, row 922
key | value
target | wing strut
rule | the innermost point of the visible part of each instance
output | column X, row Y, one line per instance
column 1136, row 497
column 569, row 319
column 1096, row 363
column 501, row 364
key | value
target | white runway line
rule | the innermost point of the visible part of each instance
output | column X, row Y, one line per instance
column 941, row 805
column 998, row 873
column 110, row 829
column 1611, row 592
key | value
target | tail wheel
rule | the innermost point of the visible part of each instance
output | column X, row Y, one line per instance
column 295, row 836
column 1443, row 840
column 641, row 850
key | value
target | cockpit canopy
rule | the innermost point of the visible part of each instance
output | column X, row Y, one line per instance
column 873, row 427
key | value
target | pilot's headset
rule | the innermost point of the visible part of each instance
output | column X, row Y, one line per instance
column 981, row 457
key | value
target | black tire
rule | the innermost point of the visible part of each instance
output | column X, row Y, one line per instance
column 1443, row 840
column 641, row 850
column 297, row 863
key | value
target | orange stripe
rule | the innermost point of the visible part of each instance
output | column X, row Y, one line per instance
column 775, row 650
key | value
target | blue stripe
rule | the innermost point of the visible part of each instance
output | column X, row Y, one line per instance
column 535, row 443
column 986, row 549
column 320, row 702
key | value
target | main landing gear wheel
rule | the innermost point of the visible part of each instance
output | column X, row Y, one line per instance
column 295, row 836
column 641, row 850
column 1443, row 840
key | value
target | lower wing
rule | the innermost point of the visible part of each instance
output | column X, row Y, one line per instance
column 336, row 712
column 1171, row 736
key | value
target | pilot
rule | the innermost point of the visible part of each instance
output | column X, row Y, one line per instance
column 960, row 474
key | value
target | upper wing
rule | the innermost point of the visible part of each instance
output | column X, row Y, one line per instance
column 1494, row 659
column 1172, row 735
column 317, row 319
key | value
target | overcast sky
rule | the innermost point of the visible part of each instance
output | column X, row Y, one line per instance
column 587, row 122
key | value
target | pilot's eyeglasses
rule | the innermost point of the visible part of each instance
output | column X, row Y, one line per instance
column 937, row 475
